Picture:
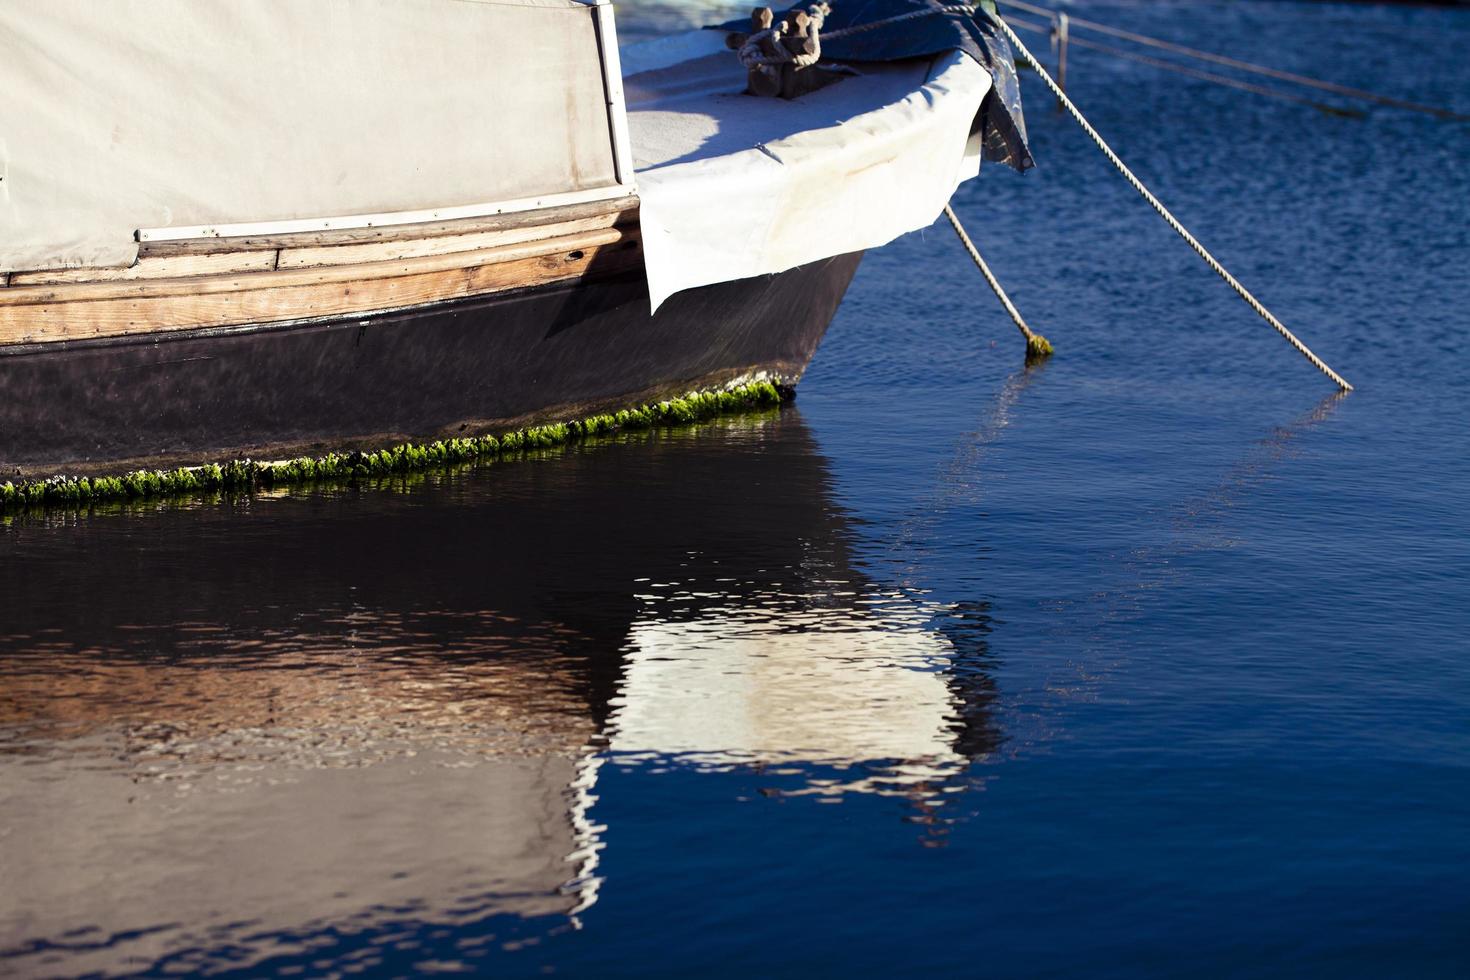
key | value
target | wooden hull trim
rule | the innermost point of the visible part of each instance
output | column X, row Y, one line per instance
column 302, row 254
column 626, row 211
column 42, row 313
column 256, row 253
column 615, row 192
column 126, row 340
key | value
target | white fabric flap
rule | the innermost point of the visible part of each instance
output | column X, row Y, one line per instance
column 735, row 186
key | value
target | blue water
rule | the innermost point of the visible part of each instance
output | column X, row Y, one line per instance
column 1149, row 660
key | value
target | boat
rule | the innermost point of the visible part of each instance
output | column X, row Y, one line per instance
column 296, row 231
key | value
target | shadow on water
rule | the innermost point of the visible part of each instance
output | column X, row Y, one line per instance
column 365, row 726
column 965, row 624
column 1196, row 524
column 922, row 542
column 960, row 478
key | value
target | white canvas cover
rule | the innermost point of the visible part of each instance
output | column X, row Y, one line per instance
column 734, row 186
column 129, row 114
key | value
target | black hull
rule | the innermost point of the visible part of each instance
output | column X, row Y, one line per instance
column 454, row 369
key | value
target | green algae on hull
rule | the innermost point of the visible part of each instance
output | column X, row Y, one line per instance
column 247, row 475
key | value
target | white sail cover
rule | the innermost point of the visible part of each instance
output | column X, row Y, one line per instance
column 734, row 186
column 132, row 114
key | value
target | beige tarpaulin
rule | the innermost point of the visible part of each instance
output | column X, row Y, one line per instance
column 734, row 186
column 131, row 114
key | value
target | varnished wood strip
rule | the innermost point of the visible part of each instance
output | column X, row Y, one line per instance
column 626, row 208
column 301, row 258
column 155, row 267
column 365, row 271
column 303, row 298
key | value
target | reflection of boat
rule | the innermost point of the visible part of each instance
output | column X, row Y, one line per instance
column 332, row 718
column 209, row 249
column 831, row 686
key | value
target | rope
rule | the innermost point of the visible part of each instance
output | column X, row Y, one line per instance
column 862, row 28
column 751, row 56
column 754, row 59
column 1210, row 76
column 1164, row 213
column 1036, row 345
column 750, row 52
column 1031, row 25
column 1221, row 59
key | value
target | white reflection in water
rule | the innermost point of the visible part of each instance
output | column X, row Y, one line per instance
column 843, row 686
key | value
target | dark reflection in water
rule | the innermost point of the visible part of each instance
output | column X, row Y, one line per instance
column 321, row 726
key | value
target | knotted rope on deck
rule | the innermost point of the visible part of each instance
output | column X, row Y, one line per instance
column 794, row 41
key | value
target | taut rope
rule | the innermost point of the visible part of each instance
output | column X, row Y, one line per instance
column 1220, row 59
column 863, row 28
column 1164, row 213
column 1036, row 345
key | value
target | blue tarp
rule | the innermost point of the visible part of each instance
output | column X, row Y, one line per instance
column 938, row 26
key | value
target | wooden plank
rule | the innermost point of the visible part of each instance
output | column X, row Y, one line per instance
column 300, row 258
column 155, row 267
column 209, row 285
column 383, row 219
column 108, row 310
column 390, row 233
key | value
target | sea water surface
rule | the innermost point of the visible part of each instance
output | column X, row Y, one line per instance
column 1154, row 659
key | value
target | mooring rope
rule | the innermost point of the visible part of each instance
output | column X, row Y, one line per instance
column 1207, row 76
column 1218, row 79
column 1164, row 212
column 1247, row 66
column 863, row 28
column 1036, row 345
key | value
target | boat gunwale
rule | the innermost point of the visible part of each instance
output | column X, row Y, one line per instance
column 46, row 294
column 625, row 205
column 109, row 341
column 605, row 241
